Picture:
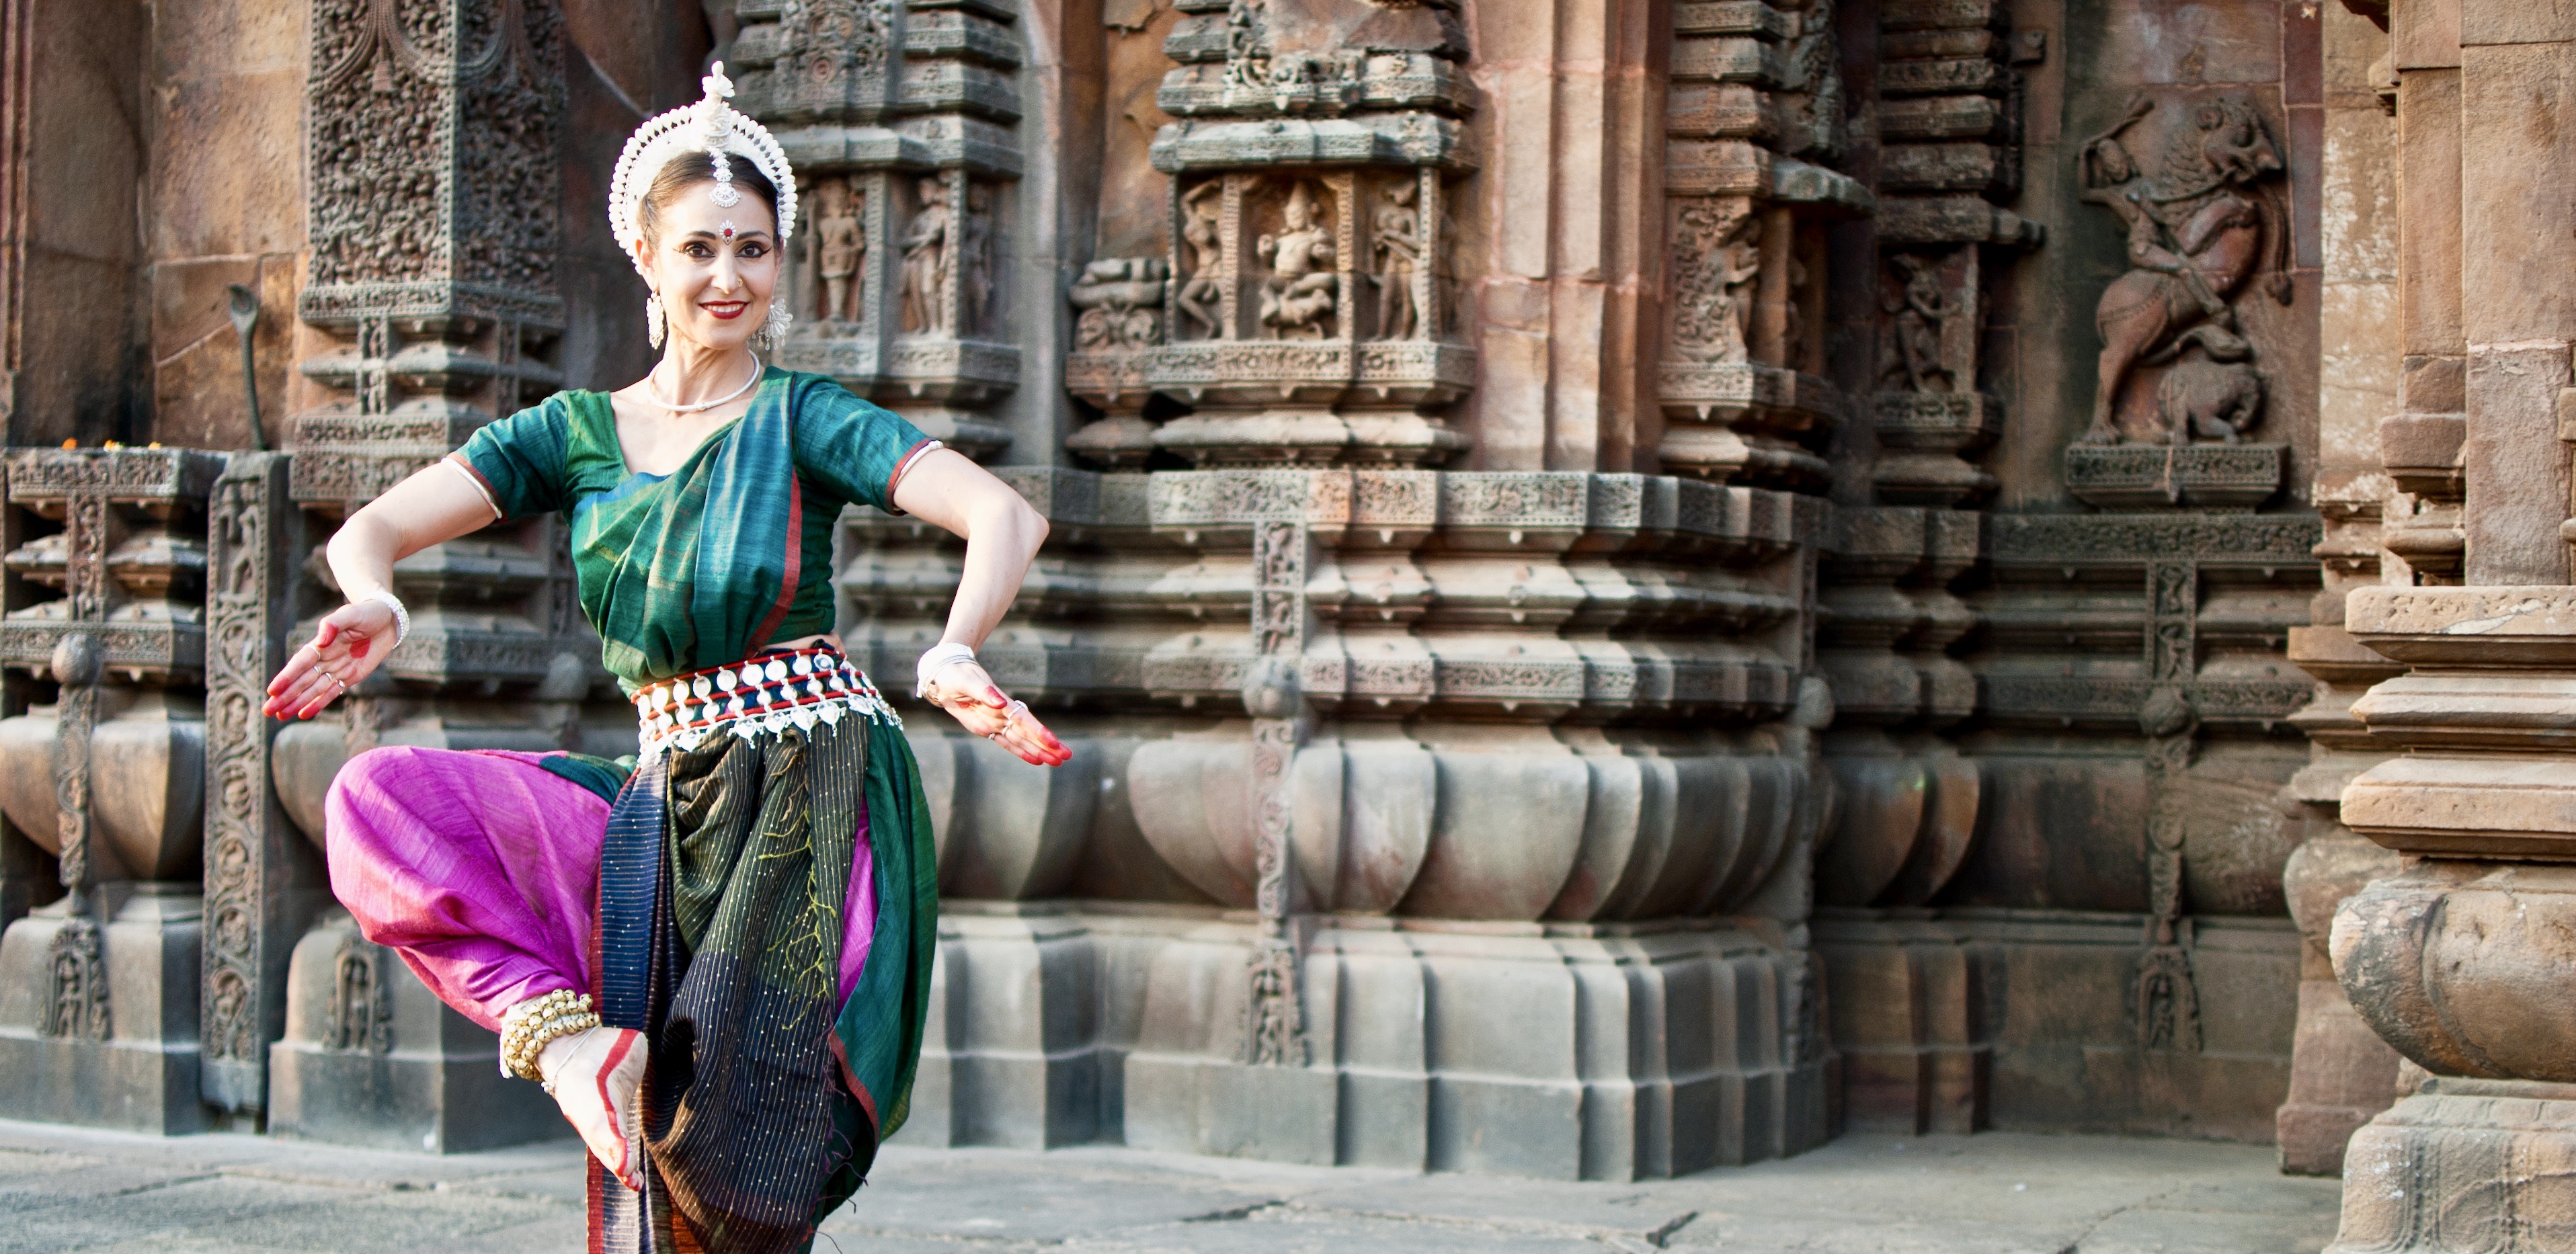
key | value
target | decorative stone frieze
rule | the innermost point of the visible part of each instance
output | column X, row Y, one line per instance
column 262, row 879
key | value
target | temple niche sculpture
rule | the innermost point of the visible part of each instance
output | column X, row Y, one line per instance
column 2192, row 185
column 1307, row 323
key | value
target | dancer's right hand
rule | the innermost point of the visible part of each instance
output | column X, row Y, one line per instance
column 598, row 1079
column 350, row 644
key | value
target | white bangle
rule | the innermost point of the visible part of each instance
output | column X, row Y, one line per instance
column 402, row 617
column 937, row 658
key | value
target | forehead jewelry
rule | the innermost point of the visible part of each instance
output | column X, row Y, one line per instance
column 727, row 229
column 719, row 89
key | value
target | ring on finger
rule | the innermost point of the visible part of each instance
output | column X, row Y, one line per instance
column 1010, row 715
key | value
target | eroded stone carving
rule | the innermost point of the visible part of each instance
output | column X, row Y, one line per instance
column 1121, row 302
column 360, row 1013
column 1921, row 321
column 1201, row 211
column 76, row 1001
column 1717, row 256
column 927, row 256
column 1299, row 295
column 1399, row 241
column 839, row 247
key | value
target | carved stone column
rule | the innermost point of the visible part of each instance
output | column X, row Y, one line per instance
column 2341, row 1073
column 98, row 991
column 263, row 879
column 1909, row 1013
column 431, row 310
column 2452, row 960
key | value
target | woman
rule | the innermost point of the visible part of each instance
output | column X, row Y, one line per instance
column 719, row 963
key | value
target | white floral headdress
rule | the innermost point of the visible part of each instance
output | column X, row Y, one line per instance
column 710, row 126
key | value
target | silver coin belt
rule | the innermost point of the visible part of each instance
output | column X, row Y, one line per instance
column 760, row 695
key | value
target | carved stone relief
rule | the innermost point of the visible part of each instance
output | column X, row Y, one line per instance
column 930, row 248
column 840, row 247
column 2198, row 203
column 359, row 1016
column 1301, row 291
column 1717, row 257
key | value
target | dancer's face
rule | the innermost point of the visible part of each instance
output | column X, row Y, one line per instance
column 715, row 268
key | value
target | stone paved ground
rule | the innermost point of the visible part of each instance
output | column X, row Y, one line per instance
column 65, row 1190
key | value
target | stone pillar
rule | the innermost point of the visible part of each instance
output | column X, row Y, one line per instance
column 2454, row 959
column 99, row 991
column 431, row 309
column 1908, row 1012
column 1454, row 802
column 2341, row 1073
column 264, row 881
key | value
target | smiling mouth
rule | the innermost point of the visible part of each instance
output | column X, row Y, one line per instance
column 726, row 310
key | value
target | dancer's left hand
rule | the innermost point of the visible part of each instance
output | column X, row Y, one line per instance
column 979, row 705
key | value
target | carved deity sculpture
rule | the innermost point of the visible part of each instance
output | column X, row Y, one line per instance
column 1718, row 253
column 1302, row 288
column 926, row 258
column 1399, row 250
column 1198, row 297
column 1918, row 314
column 840, row 244
column 2196, row 229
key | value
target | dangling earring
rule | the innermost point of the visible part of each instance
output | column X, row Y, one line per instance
column 653, row 319
column 773, row 333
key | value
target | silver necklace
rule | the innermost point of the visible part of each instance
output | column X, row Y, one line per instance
column 701, row 407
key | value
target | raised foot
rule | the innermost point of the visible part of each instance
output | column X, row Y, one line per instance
column 597, row 1078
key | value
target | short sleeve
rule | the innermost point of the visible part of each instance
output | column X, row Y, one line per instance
column 522, row 460
column 854, row 450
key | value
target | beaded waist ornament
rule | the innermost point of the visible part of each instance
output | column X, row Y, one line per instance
column 769, row 693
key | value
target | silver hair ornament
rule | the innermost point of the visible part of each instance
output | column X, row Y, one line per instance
column 713, row 127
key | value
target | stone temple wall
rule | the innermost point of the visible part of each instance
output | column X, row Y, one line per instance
column 1632, row 584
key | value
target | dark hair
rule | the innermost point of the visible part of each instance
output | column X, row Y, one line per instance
column 690, row 169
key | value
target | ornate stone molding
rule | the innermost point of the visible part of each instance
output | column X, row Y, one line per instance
column 251, row 853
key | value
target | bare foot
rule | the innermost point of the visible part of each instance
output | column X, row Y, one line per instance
column 597, row 1078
